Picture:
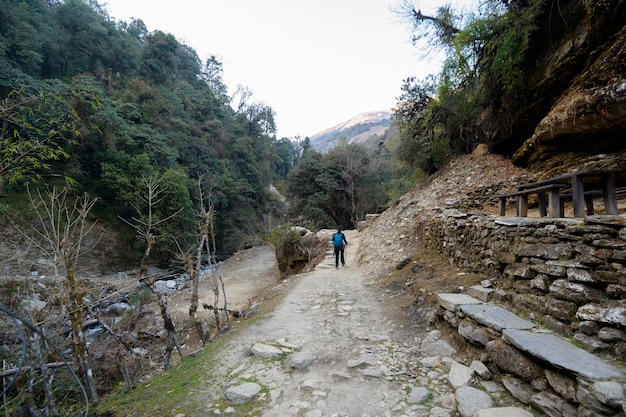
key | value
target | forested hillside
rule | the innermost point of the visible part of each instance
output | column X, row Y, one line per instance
column 104, row 105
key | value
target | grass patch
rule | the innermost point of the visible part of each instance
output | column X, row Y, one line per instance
column 169, row 393
column 183, row 389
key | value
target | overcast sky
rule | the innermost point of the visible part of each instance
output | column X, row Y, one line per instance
column 316, row 63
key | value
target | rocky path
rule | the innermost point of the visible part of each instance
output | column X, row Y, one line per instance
column 330, row 348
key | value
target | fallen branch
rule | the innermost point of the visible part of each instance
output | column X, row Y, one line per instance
column 235, row 313
column 15, row 371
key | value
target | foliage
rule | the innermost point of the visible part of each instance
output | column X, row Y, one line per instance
column 475, row 95
column 107, row 102
column 337, row 188
column 416, row 125
column 36, row 129
column 110, row 104
column 277, row 234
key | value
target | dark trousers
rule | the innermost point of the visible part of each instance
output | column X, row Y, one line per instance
column 339, row 251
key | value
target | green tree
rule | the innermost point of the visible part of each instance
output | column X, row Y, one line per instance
column 78, row 40
column 307, row 195
column 417, row 116
column 34, row 131
column 337, row 188
column 212, row 75
column 284, row 158
column 177, row 205
column 23, row 34
column 159, row 58
column 479, row 87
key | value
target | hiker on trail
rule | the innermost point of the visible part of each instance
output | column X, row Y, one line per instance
column 339, row 244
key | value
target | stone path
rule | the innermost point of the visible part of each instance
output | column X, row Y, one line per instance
column 329, row 349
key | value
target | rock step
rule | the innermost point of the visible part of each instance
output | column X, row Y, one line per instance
column 546, row 347
column 561, row 354
column 495, row 317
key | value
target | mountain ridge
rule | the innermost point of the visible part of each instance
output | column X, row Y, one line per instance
column 358, row 129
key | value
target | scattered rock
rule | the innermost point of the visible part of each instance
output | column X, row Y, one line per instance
column 242, row 393
column 479, row 368
column 300, row 360
column 460, row 375
column 362, row 361
column 471, row 400
column 418, row 395
column 373, row 373
column 266, row 351
column 433, row 344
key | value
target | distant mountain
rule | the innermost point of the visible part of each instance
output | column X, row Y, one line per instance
column 359, row 129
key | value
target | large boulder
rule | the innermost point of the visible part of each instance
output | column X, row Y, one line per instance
column 299, row 250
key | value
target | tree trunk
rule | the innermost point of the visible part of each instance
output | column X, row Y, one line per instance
column 171, row 332
column 216, row 292
column 79, row 344
column 45, row 375
column 225, row 302
column 194, row 273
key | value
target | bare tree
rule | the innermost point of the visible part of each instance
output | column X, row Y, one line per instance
column 65, row 234
column 260, row 119
column 206, row 241
column 439, row 30
column 353, row 166
column 145, row 224
column 240, row 98
column 194, row 268
column 41, row 374
column 127, row 359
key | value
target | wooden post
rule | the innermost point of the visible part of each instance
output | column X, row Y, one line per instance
column 610, row 201
column 555, row 202
column 502, row 200
column 522, row 205
column 578, row 196
column 589, row 204
column 541, row 198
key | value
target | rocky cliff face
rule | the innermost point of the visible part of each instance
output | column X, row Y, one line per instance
column 578, row 79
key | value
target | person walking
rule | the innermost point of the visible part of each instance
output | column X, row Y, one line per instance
column 339, row 245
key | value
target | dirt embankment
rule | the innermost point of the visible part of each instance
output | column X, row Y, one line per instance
column 390, row 247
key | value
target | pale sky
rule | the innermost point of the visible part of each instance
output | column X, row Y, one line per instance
column 316, row 63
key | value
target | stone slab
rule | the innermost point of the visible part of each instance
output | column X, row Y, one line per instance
column 504, row 411
column 496, row 317
column 480, row 293
column 562, row 354
column 533, row 221
column 452, row 301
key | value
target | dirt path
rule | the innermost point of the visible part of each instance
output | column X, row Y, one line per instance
column 364, row 365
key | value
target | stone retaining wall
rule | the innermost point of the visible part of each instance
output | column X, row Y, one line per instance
column 566, row 274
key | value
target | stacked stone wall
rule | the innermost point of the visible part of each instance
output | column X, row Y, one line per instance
column 567, row 274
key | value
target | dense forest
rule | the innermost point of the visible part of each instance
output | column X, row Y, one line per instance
column 101, row 105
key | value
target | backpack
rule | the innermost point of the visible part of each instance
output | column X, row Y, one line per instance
column 338, row 240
